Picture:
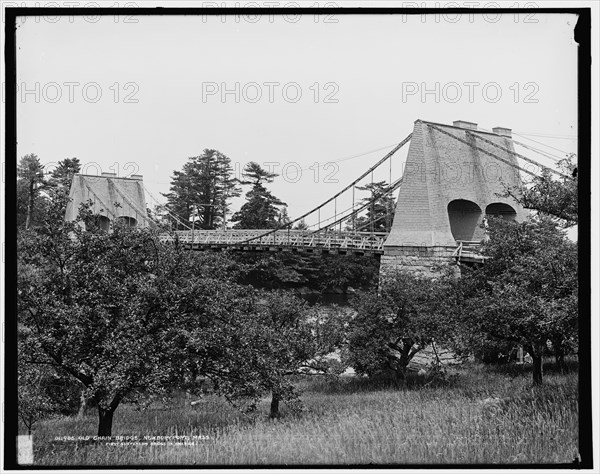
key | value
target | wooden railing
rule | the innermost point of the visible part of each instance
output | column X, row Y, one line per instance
column 468, row 250
column 364, row 241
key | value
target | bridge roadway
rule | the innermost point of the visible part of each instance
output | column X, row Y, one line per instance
column 362, row 243
column 358, row 243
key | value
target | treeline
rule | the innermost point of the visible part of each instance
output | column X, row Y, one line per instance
column 36, row 187
column 202, row 192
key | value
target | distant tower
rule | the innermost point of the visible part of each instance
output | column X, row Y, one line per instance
column 448, row 188
column 112, row 199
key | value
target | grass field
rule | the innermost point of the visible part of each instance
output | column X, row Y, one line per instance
column 484, row 416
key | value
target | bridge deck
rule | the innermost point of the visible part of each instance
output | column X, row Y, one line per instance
column 301, row 240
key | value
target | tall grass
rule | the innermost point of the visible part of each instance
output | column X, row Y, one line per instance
column 485, row 416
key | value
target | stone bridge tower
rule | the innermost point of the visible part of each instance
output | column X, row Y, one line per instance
column 447, row 190
column 112, row 198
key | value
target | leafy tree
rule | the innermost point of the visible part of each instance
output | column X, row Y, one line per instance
column 34, row 404
column 556, row 197
column 261, row 210
column 380, row 212
column 290, row 338
column 391, row 326
column 128, row 316
column 525, row 293
column 205, row 185
column 30, row 180
column 117, row 311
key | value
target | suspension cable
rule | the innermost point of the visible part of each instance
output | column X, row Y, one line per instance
column 91, row 191
column 489, row 142
column 395, row 185
column 482, row 150
column 130, row 202
column 537, row 150
column 396, row 148
column 173, row 215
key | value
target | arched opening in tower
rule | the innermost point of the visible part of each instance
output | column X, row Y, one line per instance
column 128, row 221
column 464, row 217
column 103, row 223
column 500, row 209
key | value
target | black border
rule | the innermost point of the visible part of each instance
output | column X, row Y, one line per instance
column 582, row 35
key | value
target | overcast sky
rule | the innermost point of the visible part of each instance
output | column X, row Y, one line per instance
column 144, row 95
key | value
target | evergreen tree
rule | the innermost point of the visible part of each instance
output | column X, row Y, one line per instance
column 302, row 225
column 204, row 184
column 380, row 212
column 261, row 208
column 30, row 180
column 62, row 175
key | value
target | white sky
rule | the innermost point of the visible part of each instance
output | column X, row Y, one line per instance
column 373, row 61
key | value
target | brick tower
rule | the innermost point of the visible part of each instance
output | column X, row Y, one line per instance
column 447, row 190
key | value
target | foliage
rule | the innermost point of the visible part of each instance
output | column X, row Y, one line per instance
column 324, row 273
column 30, row 180
column 128, row 316
column 301, row 225
column 379, row 213
column 62, row 175
column 525, row 293
column 36, row 189
column 551, row 196
column 203, row 186
column 393, row 325
column 280, row 336
column 261, row 210
column 114, row 310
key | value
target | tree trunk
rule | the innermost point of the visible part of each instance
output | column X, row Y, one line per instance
column 82, row 405
column 560, row 361
column 30, row 203
column 537, row 368
column 536, row 354
column 105, row 419
column 275, row 406
column 559, row 354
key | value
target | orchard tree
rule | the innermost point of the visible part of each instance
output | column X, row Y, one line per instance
column 553, row 196
column 295, row 339
column 391, row 326
column 117, row 311
column 526, row 292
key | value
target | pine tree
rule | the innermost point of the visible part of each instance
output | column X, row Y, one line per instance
column 204, row 185
column 379, row 213
column 261, row 208
column 30, row 179
column 62, row 175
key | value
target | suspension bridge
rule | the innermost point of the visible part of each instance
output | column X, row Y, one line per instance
column 454, row 176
